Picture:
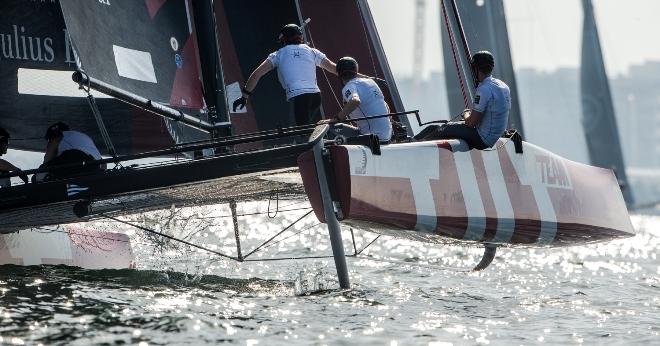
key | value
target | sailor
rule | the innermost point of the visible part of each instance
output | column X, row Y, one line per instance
column 362, row 98
column 296, row 64
column 487, row 120
column 5, row 166
column 67, row 147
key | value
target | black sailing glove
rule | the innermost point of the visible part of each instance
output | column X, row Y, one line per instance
column 240, row 103
column 23, row 176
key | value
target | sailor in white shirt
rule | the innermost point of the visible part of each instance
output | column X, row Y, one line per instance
column 363, row 98
column 296, row 65
column 67, row 147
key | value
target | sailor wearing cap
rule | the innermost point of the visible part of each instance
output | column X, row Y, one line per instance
column 363, row 98
column 66, row 148
column 296, row 65
column 487, row 120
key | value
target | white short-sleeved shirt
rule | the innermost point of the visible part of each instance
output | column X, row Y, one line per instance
column 74, row 140
column 372, row 102
column 296, row 68
column 493, row 99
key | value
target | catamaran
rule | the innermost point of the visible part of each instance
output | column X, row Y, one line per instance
column 186, row 63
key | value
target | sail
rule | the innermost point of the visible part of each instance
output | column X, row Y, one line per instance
column 146, row 47
column 36, row 63
column 485, row 28
column 355, row 37
column 598, row 119
column 242, row 50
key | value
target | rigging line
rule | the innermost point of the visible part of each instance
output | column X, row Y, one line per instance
column 357, row 253
column 247, row 214
column 466, row 47
column 292, row 235
column 168, row 237
column 43, row 230
column 276, row 235
column 27, row 139
column 277, row 204
column 288, row 258
column 325, row 73
column 367, row 38
column 452, row 43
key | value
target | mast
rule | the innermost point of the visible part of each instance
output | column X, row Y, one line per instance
column 212, row 74
column 598, row 118
column 486, row 28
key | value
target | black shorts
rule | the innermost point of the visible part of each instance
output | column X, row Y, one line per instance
column 72, row 158
column 307, row 108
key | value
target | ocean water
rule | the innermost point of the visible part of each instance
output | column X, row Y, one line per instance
column 404, row 293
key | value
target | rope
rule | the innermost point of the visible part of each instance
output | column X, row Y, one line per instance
column 27, row 139
column 325, row 73
column 277, row 204
column 466, row 47
column 169, row 237
column 249, row 214
column 452, row 42
column 265, row 244
column 366, row 36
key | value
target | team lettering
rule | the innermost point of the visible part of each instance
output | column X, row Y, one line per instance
column 20, row 45
column 553, row 172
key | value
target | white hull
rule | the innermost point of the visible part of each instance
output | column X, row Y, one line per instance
column 67, row 246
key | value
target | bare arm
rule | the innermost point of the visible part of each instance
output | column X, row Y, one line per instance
column 349, row 107
column 51, row 149
column 5, row 166
column 265, row 67
column 474, row 118
column 329, row 66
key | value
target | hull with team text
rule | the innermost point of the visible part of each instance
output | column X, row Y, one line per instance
column 439, row 191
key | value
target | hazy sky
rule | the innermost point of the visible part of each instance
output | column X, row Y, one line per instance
column 544, row 34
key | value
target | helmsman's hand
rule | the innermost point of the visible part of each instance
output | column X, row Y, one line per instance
column 240, row 103
column 23, row 176
column 473, row 119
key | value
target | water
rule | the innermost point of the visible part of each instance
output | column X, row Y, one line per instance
column 403, row 293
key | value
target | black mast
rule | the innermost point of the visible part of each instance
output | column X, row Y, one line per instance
column 212, row 74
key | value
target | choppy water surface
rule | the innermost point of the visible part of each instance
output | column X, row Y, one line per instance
column 598, row 294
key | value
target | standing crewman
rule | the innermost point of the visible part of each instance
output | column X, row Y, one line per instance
column 296, row 65
column 362, row 98
column 486, row 122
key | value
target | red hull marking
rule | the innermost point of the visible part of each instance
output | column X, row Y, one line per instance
column 342, row 178
column 444, row 145
column 310, row 182
column 384, row 200
column 486, row 195
column 525, row 209
column 153, row 6
column 448, row 197
column 187, row 88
